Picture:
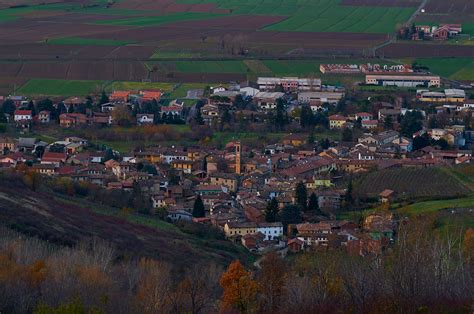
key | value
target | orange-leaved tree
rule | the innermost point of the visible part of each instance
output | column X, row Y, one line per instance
column 240, row 290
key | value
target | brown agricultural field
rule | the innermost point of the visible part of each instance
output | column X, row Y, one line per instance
column 452, row 11
column 400, row 50
column 382, row 3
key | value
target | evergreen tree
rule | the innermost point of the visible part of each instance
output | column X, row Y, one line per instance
column 281, row 118
column 301, row 195
column 306, row 117
column 349, row 198
column 325, row 143
column 271, row 212
column 387, row 122
column 198, row 118
column 346, row 135
column 290, row 214
column 103, row 98
column 313, row 204
column 198, row 208
column 9, row 107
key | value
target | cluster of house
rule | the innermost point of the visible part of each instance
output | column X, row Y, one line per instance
column 235, row 183
column 364, row 68
column 436, row 32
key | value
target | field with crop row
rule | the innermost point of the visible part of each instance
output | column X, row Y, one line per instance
column 412, row 183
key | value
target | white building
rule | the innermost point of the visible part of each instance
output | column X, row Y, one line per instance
column 271, row 230
column 21, row 115
column 403, row 80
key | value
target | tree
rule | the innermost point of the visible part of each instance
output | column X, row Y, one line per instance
column 240, row 290
column 290, row 214
column 325, row 143
column 9, row 107
column 271, row 282
column 281, row 118
column 109, row 154
column 421, row 141
column 388, row 123
column 301, row 195
column 103, row 98
column 271, row 212
column 198, row 117
column 346, row 135
column 311, row 138
column 306, row 117
column 410, row 123
column 349, row 197
column 198, row 208
column 313, row 204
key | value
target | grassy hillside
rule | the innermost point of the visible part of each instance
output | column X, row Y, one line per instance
column 68, row 221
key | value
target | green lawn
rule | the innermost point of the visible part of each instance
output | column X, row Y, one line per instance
column 87, row 41
column 433, row 206
column 182, row 89
column 211, row 66
column 453, row 68
column 159, row 20
column 51, row 87
column 163, row 87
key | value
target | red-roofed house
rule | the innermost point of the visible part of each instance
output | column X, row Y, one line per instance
column 22, row 115
column 172, row 110
column 150, row 95
column 120, row 96
column 54, row 158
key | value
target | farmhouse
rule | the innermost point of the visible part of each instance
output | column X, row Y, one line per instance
column 339, row 68
column 403, row 80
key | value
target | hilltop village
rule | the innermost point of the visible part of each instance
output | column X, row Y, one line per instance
column 282, row 170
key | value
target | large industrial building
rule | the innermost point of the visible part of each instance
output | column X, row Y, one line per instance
column 403, row 80
column 289, row 83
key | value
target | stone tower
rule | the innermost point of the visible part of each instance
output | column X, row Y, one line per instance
column 238, row 153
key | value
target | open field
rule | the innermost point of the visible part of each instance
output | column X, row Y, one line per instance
column 60, row 87
column 434, row 206
column 412, row 183
column 320, row 16
column 87, row 41
column 163, row 87
column 452, row 68
column 159, row 20
column 442, row 11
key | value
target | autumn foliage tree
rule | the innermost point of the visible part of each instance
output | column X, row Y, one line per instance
column 240, row 289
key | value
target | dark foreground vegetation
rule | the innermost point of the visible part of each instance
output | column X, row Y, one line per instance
column 421, row 273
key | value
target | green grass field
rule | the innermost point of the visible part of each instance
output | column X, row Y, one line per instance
column 211, row 66
column 159, row 20
column 452, row 68
column 163, row 87
column 51, row 87
column 434, row 206
column 318, row 15
column 87, row 41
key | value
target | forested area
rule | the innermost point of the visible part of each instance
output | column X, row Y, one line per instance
column 422, row 272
